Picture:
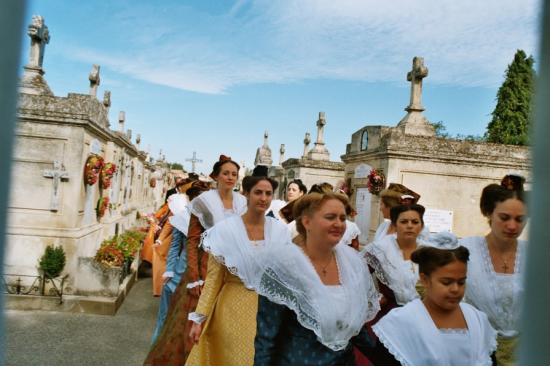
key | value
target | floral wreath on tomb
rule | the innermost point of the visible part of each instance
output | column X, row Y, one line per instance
column 106, row 174
column 102, row 206
column 92, row 168
column 376, row 181
column 152, row 182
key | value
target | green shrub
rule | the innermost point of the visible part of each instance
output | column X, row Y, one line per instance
column 53, row 261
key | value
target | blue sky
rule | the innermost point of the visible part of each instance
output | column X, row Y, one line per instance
column 212, row 76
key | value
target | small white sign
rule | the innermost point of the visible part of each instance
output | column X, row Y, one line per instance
column 95, row 147
column 362, row 171
column 438, row 220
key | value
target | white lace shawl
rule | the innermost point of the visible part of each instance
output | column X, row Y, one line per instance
column 352, row 232
column 482, row 287
column 181, row 220
column 290, row 279
column 276, row 206
column 401, row 276
column 208, row 207
column 229, row 244
column 177, row 203
column 411, row 336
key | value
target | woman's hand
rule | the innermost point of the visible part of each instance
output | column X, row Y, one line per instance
column 195, row 333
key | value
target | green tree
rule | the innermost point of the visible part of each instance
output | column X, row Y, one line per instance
column 176, row 166
column 511, row 118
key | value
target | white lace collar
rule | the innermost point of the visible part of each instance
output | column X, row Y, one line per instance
column 208, row 207
column 401, row 276
column 181, row 220
column 484, row 289
column 352, row 232
column 229, row 244
column 290, row 279
column 411, row 336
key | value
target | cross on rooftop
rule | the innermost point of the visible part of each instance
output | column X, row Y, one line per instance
column 194, row 161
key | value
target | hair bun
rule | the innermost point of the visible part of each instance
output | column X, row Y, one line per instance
column 513, row 182
column 224, row 158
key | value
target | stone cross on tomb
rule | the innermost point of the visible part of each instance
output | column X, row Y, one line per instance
column 415, row 76
column 282, row 154
column 307, row 141
column 266, row 136
column 121, row 120
column 40, row 36
column 58, row 174
column 321, row 122
column 194, row 161
column 94, row 80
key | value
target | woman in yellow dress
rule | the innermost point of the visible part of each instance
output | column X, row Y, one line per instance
column 225, row 318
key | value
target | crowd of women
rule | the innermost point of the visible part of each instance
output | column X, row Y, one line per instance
column 248, row 280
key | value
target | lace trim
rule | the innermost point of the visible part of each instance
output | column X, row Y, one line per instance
column 196, row 318
column 195, row 284
column 389, row 346
column 453, row 330
column 221, row 259
column 377, row 266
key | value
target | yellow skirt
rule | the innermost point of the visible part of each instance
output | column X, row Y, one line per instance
column 505, row 353
column 228, row 335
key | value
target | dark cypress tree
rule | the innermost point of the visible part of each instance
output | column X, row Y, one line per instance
column 512, row 115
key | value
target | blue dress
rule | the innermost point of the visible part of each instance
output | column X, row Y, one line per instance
column 281, row 341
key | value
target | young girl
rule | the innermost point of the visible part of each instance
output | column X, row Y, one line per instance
column 438, row 330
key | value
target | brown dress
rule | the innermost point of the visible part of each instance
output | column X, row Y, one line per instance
column 160, row 254
column 160, row 217
column 173, row 343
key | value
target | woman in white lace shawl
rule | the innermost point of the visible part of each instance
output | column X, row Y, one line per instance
column 496, row 265
column 315, row 295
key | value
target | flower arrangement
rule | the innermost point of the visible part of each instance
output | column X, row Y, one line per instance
column 120, row 249
column 152, row 182
column 106, row 174
column 376, row 181
column 109, row 254
column 93, row 166
column 102, row 206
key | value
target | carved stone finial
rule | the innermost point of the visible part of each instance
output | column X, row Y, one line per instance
column 307, row 141
column 263, row 153
column 94, row 79
column 281, row 154
column 121, row 120
column 129, row 134
column 107, row 99
column 138, row 140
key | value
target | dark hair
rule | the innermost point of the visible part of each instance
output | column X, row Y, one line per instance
column 251, row 180
column 430, row 258
column 197, row 187
column 511, row 187
column 395, row 211
column 301, row 186
column 218, row 165
column 321, row 188
column 311, row 202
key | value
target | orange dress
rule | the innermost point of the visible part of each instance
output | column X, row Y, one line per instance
column 173, row 343
column 152, row 233
column 160, row 253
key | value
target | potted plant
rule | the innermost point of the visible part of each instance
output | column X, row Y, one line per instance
column 53, row 261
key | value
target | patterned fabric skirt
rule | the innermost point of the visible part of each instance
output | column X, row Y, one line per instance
column 505, row 353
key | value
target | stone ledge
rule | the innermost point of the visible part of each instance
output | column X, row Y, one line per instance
column 100, row 305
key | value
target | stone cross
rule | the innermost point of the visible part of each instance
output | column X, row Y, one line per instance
column 94, row 80
column 121, row 119
column 282, row 154
column 266, row 135
column 415, row 76
column 129, row 134
column 307, row 141
column 58, row 174
column 321, row 122
column 107, row 104
column 194, row 161
column 138, row 140
column 40, row 36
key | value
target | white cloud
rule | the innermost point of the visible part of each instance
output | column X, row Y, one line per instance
column 464, row 43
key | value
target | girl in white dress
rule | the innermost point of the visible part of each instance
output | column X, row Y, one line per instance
column 438, row 330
